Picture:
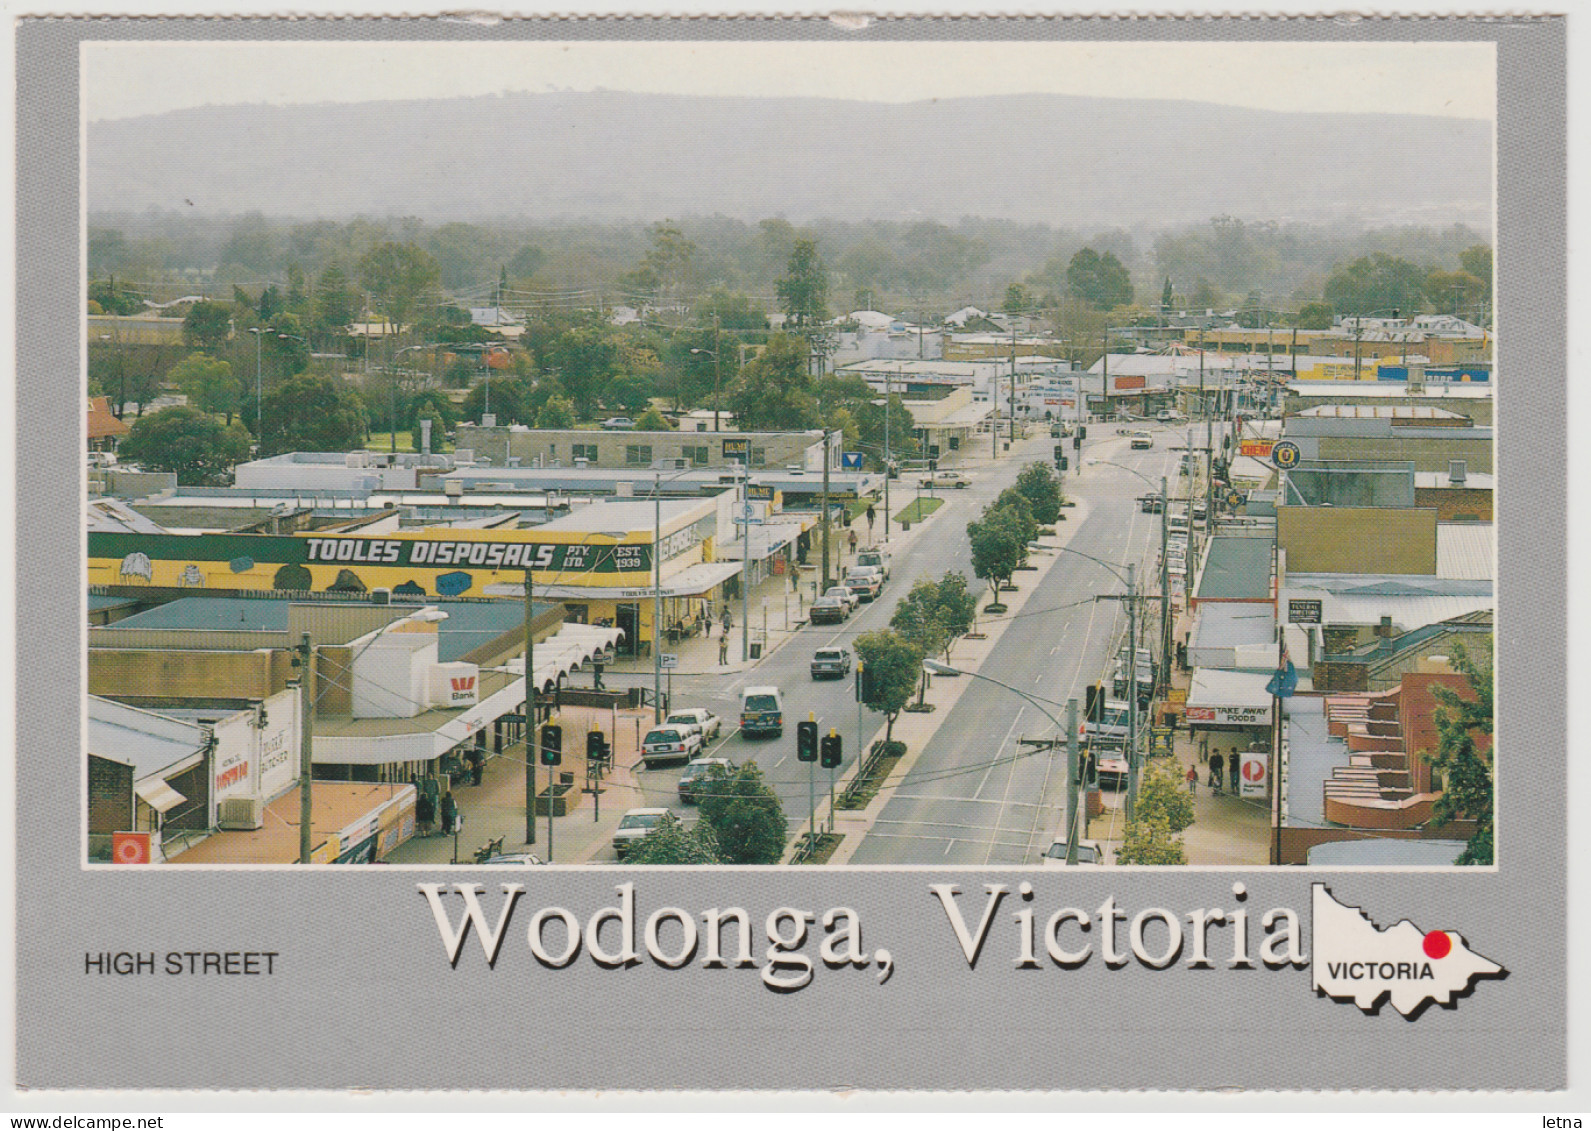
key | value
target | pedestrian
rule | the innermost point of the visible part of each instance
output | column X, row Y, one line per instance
column 450, row 811
column 729, row 620
column 1216, row 764
column 477, row 765
column 425, row 813
column 723, row 648
column 870, row 517
column 1232, row 767
column 851, row 538
column 1192, row 778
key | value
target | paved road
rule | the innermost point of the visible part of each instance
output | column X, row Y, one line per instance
column 975, row 795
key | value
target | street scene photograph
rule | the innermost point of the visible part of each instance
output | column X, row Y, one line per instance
column 877, row 454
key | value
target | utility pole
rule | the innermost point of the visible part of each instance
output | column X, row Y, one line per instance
column 1012, row 401
column 887, row 459
column 826, row 510
column 1072, row 774
column 306, row 741
column 531, row 733
column 1165, row 587
column 745, row 557
column 718, row 366
column 657, row 598
column 1132, row 695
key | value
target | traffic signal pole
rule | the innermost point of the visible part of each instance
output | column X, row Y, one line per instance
column 1073, row 772
column 530, row 717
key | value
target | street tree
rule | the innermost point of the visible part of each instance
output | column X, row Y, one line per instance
column 1151, row 842
column 194, row 444
column 1039, row 486
column 504, row 393
column 1464, row 755
column 208, row 383
column 207, row 325
column 1021, row 513
column 996, row 551
column 891, row 665
column 556, row 413
column 672, row 842
column 398, row 275
column 774, row 393
column 1163, row 796
column 745, row 816
column 311, row 414
column 629, row 392
column 804, row 290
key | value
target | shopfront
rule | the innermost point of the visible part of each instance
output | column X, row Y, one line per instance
column 1230, row 712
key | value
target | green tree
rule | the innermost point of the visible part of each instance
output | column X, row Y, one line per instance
column 526, row 261
column 629, row 392
column 1017, row 299
column 933, row 615
column 1464, row 756
column 586, row 358
column 1099, row 280
column 191, row 443
column 1166, row 298
column 1038, row 485
column 113, row 297
column 1314, row 316
column 774, row 392
column 804, row 290
column 311, row 414
column 652, row 421
column 672, row 842
column 336, row 304
column 996, row 551
column 506, row 401
column 664, row 272
column 207, row 325
column 208, row 383
column 1150, row 842
column 1454, row 292
column 1377, row 284
column 1477, row 262
column 556, row 413
column 1163, row 796
column 398, row 275
column 734, row 310
column 1020, row 512
column 891, row 665
column 745, row 815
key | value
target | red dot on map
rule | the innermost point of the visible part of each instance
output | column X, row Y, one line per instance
column 1438, row 945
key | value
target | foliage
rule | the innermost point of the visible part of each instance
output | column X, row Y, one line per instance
column 629, row 392
column 672, row 842
column 206, row 325
column 935, row 613
column 438, row 402
column 1016, row 299
column 556, row 413
column 336, row 304
column 1099, row 280
column 1039, row 486
column 507, row 404
column 1477, row 263
column 208, row 383
column 1163, row 796
column 664, row 272
column 1150, row 842
column 734, row 310
column 1020, row 512
column 745, row 815
column 311, row 414
column 397, row 275
column 113, row 298
column 996, row 550
column 586, row 358
column 774, row 392
column 192, row 443
column 1464, row 727
column 849, row 405
column 1166, row 297
column 1377, row 285
column 652, row 421
column 1314, row 316
column 891, row 666
column 803, row 291
column 1454, row 292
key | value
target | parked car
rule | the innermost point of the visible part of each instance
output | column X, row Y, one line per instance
column 707, row 724
column 827, row 662
column 865, row 582
column 1060, row 431
column 874, row 556
column 945, row 479
column 517, row 859
column 618, row 424
column 1141, row 441
column 1087, row 853
column 761, row 711
column 1150, row 504
column 697, row 773
column 1112, row 769
column 634, row 826
column 844, row 594
column 1169, row 416
column 670, row 744
column 829, row 610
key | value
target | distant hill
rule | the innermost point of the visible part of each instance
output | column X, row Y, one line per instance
column 608, row 156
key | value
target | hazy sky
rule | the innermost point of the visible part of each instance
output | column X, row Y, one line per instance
column 1448, row 79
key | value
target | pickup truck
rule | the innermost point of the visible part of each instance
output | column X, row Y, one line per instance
column 670, row 744
column 707, row 724
column 865, row 582
column 874, row 556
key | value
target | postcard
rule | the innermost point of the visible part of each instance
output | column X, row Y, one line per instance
column 975, row 555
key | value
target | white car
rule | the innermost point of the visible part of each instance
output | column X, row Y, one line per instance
column 707, row 724
column 875, row 556
column 634, row 826
column 671, row 743
column 945, row 479
column 1087, row 853
column 852, row 602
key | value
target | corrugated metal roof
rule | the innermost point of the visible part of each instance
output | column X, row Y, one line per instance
column 1466, row 551
column 1236, row 569
column 1232, row 626
column 148, row 742
column 1375, row 851
column 1408, row 611
column 1212, row 688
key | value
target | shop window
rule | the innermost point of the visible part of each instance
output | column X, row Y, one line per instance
column 585, row 452
column 759, row 457
column 696, row 454
column 638, row 454
column 955, row 446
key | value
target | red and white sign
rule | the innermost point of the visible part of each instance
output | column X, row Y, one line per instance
column 1253, row 771
column 1258, row 449
column 1230, row 716
column 130, row 848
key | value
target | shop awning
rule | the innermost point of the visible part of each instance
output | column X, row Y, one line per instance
column 694, row 581
column 158, row 794
column 1228, row 698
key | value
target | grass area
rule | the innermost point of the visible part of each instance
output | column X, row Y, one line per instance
column 382, row 442
column 917, row 510
column 854, row 508
column 827, row 843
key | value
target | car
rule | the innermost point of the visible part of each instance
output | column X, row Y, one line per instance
column 828, row 662
column 762, row 711
column 829, row 610
column 1150, row 504
column 1168, row 416
column 945, row 479
column 634, row 826
column 1112, row 769
column 865, row 583
column 516, row 859
column 1141, row 441
column 618, row 424
column 670, row 744
column 696, row 774
column 1060, row 431
column 1087, row 853
column 843, row 594
column 707, row 724
column 874, row 556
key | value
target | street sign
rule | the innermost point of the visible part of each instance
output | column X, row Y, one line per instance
column 1253, row 772
column 668, row 660
column 1286, row 455
column 851, row 461
column 1303, row 610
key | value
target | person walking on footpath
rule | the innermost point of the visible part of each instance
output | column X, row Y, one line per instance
column 1232, row 767
column 729, row 620
column 477, row 765
column 424, row 812
column 1216, row 765
column 723, row 649
column 851, row 538
column 450, row 812
column 1192, row 778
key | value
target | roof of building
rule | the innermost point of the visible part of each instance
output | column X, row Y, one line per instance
column 116, row 517
column 1232, row 626
column 1410, row 606
column 148, row 742
column 1473, row 481
column 335, row 806
column 102, row 423
column 1210, row 687
column 1466, row 551
column 624, row 515
column 1462, row 390
column 1236, row 568
column 1382, row 412
column 1369, row 850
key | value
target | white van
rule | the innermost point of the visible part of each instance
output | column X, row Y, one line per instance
column 761, row 711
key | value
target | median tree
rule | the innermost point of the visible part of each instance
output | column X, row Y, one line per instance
column 745, row 815
column 194, row 444
column 1039, row 486
column 1463, row 756
column 672, row 842
column 890, row 664
column 996, row 551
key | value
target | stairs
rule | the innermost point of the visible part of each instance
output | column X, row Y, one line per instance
column 1374, row 791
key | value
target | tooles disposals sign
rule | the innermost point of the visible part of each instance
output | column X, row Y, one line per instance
column 473, row 553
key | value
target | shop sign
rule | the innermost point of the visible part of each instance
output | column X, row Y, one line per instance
column 1253, row 772
column 1230, row 716
column 1303, row 610
column 276, row 757
column 737, row 449
column 130, row 848
column 1258, row 449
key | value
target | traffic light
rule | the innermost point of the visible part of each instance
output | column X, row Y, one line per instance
column 551, row 744
column 862, row 685
column 1077, row 438
column 596, row 746
column 1091, row 702
column 832, row 750
column 1082, row 433
column 933, row 465
column 1091, row 770
column 807, row 741
column 1064, row 463
column 1060, row 452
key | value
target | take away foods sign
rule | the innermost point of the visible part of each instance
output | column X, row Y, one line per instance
column 1230, row 716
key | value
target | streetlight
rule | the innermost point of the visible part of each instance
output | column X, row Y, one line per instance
column 718, row 368
column 1165, row 566
column 258, row 332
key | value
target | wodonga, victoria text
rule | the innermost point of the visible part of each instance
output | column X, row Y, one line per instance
column 1067, row 938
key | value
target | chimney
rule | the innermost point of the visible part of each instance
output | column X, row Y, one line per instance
column 1384, row 629
column 1457, row 469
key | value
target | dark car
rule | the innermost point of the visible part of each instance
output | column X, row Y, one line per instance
column 831, row 662
column 828, row 610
